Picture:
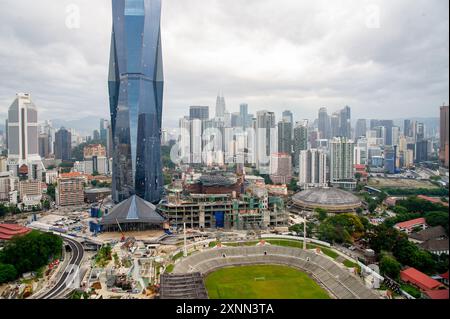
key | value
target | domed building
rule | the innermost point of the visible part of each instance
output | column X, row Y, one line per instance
column 334, row 200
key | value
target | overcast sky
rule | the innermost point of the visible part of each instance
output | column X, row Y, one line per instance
column 385, row 59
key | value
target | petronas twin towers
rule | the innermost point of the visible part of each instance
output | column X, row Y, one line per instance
column 136, row 85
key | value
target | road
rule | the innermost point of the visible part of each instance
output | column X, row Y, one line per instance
column 72, row 267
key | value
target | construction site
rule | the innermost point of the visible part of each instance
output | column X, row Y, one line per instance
column 204, row 211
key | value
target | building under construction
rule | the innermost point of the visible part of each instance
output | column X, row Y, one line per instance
column 212, row 211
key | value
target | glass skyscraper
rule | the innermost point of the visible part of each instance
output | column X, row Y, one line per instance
column 136, row 84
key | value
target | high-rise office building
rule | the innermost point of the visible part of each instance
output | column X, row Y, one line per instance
column 288, row 117
column 335, row 124
column 265, row 140
column 44, row 145
column 69, row 191
column 246, row 119
column 104, row 130
column 63, row 145
column 407, row 128
column 361, row 128
column 395, row 139
column 380, row 135
column 390, row 159
column 342, row 163
column 361, row 154
column 324, row 124
column 388, row 125
column 281, row 168
column 23, row 138
column 384, row 128
column 185, row 140
column 136, row 83
column 312, row 169
column 443, row 136
column 420, row 131
column 199, row 112
column 422, row 150
column 285, row 137
column 196, row 141
column 345, row 122
column 220, row 106
column 300, row 141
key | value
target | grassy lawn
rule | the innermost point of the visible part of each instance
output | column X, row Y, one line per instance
column 413, row 291
column 351, row 264
column 170, row 268
column 177, row 256
column 262, row 282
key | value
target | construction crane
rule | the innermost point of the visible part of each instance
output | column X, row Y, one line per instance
column 121, row 231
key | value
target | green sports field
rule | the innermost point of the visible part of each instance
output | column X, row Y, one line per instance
column 262, row 282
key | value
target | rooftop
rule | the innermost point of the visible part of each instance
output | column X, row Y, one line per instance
column 437, row 294
column 217, row 180
column 133, row 210
column 326, row 196
column 8, row 231
column 433, row 200
column 420, row 279
column 429, row 233
column 411, row 223
column 435, row 245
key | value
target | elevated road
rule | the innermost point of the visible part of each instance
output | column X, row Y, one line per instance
column 71, row 271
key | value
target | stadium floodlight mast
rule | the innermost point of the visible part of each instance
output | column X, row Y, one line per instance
column 304, row 229
column 304, row 232
column 185, row 241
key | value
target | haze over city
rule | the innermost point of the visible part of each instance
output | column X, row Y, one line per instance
column 224, row 150
column 388, row 56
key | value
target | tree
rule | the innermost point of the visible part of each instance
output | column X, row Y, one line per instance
column 51, row 191
column 390, row 266
column 437, row 219
column 167, row 178
column 297, row 228
column 372, row 206
column 7, row 273
column 342, row 228
column 32, row 251
column 418, row 205
column 322, row 214
column 400, row 209
column 45, row 204
column 293, row 185
column 3, row 210
column 165, row 155
column 383, row 238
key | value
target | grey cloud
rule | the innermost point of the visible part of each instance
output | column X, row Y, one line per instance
column 269, row 53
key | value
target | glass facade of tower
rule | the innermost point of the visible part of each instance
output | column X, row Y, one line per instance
column 136, row 84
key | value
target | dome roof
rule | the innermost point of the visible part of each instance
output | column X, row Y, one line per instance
column 327, row 198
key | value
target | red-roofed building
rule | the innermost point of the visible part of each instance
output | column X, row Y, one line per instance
column 8, row 231
column 419, row 279
column 410, row 225
column 433, row 200
column 361, row 169
column 444, row 278
column 437, row 294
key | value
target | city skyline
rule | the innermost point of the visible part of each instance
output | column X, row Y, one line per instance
column 360, row 55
